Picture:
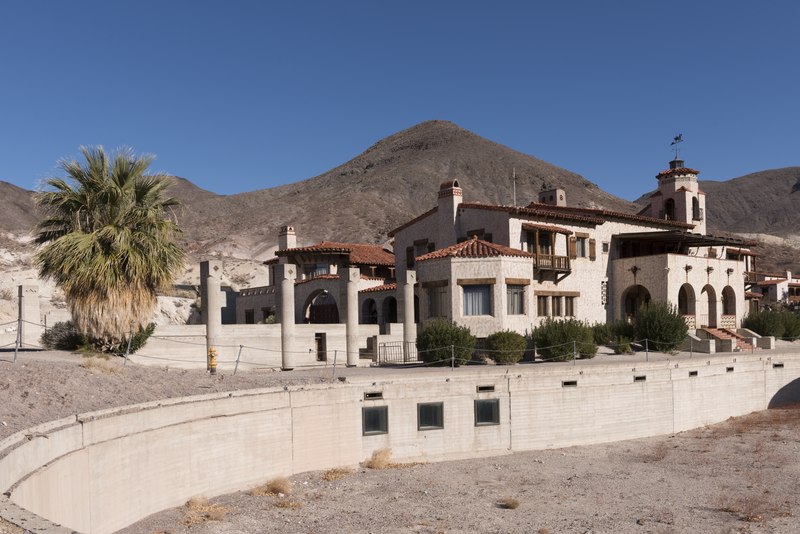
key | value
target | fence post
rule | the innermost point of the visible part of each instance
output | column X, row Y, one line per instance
column 646, row 350
column 236, row 367
column 335, row 353
column 574, row 352
column 452, row 357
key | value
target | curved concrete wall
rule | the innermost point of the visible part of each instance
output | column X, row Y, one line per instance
column 101, row 471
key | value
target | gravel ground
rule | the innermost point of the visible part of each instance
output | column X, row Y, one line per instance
column 739, row 476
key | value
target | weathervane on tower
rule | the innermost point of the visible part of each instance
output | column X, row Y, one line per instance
column 675, row 140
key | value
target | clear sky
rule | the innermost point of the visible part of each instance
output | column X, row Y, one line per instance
column 244, row 95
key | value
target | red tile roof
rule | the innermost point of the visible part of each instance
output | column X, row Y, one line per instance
column 271, row 261
column 358, row 253
column 546, row 228
column 771, row 282
column 474, row 248
column 376, row 289
column 679, row 170
column 752, row 295
column 318, row 277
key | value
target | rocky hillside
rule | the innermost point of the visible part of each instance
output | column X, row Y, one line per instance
column 397, row 179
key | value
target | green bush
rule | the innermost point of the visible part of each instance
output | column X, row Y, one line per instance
column 63, row 336
column 507, row 347
column 661, row 324
column 556, row 338
column 138, row 340
column 622, row 345
column 602, row 333
column 778, row 323
column 435, row 339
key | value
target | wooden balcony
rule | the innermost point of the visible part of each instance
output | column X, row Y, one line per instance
column 549, row 262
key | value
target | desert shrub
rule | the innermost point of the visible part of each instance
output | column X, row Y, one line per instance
column 380, row 459
column 765, row 323
column 556, row 338
column 661, row 324
column 791, row 324
column 138, row 340
column 6, row 294
column 621, row 345
column 602, row 333
column 276, row 486
column 63, row 336
column 435, row 339
column 508, row 503
column 620, row 329
column 507, row 347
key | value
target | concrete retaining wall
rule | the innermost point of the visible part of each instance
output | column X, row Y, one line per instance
column 99, row 472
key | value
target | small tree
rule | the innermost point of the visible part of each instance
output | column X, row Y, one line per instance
column 778, row 323
column 507, row 347
column 661, row 324
column 434, row 342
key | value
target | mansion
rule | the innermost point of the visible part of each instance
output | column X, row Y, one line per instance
column 496, row 267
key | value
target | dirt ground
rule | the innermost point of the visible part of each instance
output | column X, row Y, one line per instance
column 738, row 476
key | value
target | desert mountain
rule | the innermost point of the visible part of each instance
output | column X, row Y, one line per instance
column 397, row 179
column 392, row 181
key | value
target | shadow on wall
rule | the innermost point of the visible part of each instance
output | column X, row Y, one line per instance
column 788, row 394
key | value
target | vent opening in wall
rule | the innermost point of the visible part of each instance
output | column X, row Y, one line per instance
column 373, row 395
column 777, row 366
column 483, row 389
column 640, row 378
column 569, row 384
column 729, row 369
column 692, row 373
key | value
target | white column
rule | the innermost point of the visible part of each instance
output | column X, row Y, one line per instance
column 213, row 316
column 353, row 277
column 286, row 273
column 409, row 326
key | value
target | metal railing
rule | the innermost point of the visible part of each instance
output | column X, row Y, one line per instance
column 397, row 353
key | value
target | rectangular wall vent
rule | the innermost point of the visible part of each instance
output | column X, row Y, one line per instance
column 777, row 366
column 729, row 369
column 484, row 389
column 569, row 384
column 373, row 395
column 692, row 373
column 640, row 378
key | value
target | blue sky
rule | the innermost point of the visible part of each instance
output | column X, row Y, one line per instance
column 244, row 95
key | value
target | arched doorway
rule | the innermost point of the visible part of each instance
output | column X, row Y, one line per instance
column 687, row 305
column 709, row 318
column 389, row 310
column 632, row 300
column 728, row 319
column 321, row 308
column 669, row 209
column 369, row 312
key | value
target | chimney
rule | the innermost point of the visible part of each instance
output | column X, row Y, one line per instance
column 287, row 238
column 450, row 196
column 553, row 197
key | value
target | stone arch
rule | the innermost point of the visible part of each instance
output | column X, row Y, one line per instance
column 632, row 299
column 369, row 312
column 321, row 308
column 687, row 301
column 728, row 301
column 709, row 318
column 389, row 309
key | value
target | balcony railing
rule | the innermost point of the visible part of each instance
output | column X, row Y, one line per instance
column 548, row 262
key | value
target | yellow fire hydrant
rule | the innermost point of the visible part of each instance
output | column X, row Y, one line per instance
column 212, row 360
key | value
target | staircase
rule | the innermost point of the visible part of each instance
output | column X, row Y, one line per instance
column 742, row 343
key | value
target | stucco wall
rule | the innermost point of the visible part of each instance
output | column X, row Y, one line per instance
column 99, row 472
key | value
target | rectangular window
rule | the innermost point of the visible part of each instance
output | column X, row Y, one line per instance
column 375, row 420
column 557, row 310
column 410, row 257
column 581, row 247
column 437, row 301
column 430, row 416
column 541, row 306
column 478, row 300
column 515, row 300
column 249, row 316
column 569, row 306
column 487, row 412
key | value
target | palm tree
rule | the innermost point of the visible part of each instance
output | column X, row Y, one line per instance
column 109, row 241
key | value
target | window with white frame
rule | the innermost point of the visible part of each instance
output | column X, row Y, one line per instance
column 478, row 299
column 515, row 303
